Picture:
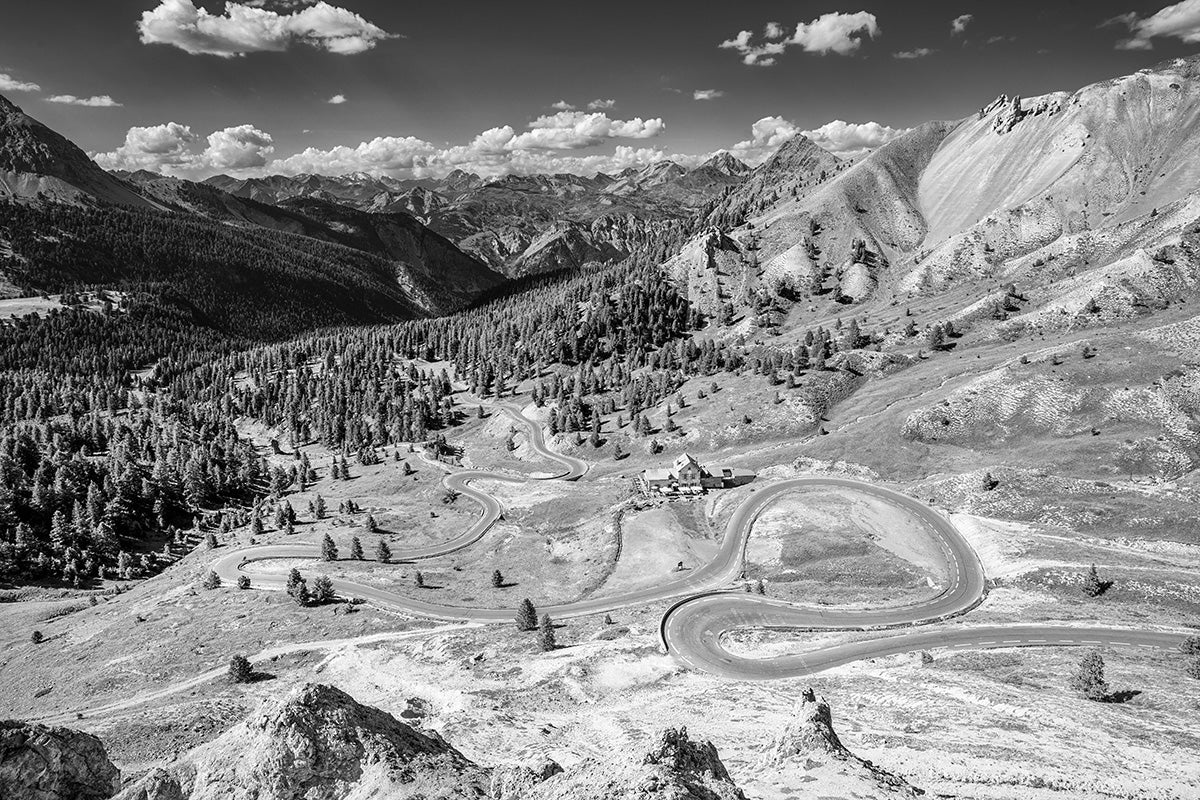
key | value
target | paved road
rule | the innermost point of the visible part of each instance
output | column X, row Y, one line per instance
column 694, row 628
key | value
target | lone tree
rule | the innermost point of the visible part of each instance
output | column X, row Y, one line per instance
column 240, row 670
column 243, row 581
column 1092, row 585
column 497, row 579
column 329, row 551
column 322, row 590
column 210, row 540
column 1089, row 680
column 383, row 553
column 372, row 525
column 356, row 551
column 36, row 637
column 526, row 615
column 211, row 581
column 608, row 620
column 760, row 587
column 546, row 634
column 419, row 579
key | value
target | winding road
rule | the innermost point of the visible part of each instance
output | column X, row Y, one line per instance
column 695, row 628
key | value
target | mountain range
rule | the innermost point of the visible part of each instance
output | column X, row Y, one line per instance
column 1070, row 196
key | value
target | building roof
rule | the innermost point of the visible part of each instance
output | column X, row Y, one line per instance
column 685, row 459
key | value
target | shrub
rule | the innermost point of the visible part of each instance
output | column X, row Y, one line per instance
column 36, row 637
column 240, row 670
column 243, row 581
column 497, row 579
column 211, row 581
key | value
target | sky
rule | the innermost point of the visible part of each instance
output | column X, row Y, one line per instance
column 199, row 87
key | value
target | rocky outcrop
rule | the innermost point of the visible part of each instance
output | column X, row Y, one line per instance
column 676, row 768
column 38, row 762
column 809, row 751
column 317, row 743
column 514, row 781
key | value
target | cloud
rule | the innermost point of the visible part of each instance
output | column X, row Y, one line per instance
column 1179, row 21
column 10, row 84
column 336, row 100
column 765, row 137
column 96, row 101
column 919, row 52
column 244, row 28
column 168, row 148
column 601, row 105
column 829, row 33
column 848, row 139
column 707, row 94
column 959, row 24
column 563, row 105
column 773, row 30
column 171, row 148
column 237, row 148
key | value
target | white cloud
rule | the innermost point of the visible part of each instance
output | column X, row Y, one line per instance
column 10, row 84
column 601, row 105
column 919, row 52
column 959, row 24
column 336, row 100
column 167, row 148
column 829, row 33
column 562, row 105
column 1179, row 21
column 171, row 148
column 236, row 148
column 96, row 101
column 245, row 29
column 765, row 137
column 707, row 94
column 773, row 30
column 852, row 139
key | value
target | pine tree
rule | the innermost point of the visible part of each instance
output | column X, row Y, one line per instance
column 383, row 553
column 527, row 618
column 419, row 580
column 329, row 551
column 372, row 525
column 760, row 587
column 240, row 670
column 210, row 540
column 497, row 579
column 36, row 637
column 546, row 634
column 243, row 582
column 1089, row 680
column 1092, row 585
column 322, row 590
column 356, row 550
column 211, row 581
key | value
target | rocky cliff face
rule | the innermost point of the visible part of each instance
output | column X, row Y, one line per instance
column 317, row 743
column 43, row 763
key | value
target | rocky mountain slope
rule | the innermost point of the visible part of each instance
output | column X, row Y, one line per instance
column 38, row 162
column 1071, row 196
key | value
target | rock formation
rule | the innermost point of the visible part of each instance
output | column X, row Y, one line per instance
column 810, row 752
column 38, row 762
column 317, row 743
column 677, row 768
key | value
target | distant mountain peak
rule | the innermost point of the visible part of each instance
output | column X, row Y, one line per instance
column 727, row 163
